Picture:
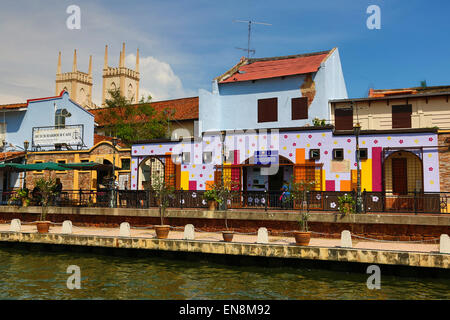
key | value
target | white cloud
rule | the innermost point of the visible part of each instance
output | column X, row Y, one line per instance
column 32, row 38
column 7, row 98
column 158, row 79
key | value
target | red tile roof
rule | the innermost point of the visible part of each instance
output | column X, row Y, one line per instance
column 375, row 93
column 13, row 106
column 25, row 104
column 99, row 138
column 265, row 68
column 5, row 156
column 185, row 109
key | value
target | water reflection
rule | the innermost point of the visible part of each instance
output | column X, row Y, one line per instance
column 42, row 275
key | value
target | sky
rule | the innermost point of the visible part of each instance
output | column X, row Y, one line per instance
column 184, row 44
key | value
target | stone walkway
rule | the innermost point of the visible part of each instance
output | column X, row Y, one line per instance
column 245, row 238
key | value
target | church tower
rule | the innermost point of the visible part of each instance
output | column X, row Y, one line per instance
column 77, row 83
column 121, row 78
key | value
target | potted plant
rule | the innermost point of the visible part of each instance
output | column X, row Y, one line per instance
column 220, row 193
column 299, row 196
column 21, row 196
column 212, row 197
column 46, row 189
column 225, row 191
column 346, row 204
column 163, row 191
column 303, row 236
column 318, row 122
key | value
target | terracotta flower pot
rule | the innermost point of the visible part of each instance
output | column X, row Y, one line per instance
column 212, row 205
column 43, row 226
column 162, row 231
column 227, row 236
column 302, row 238
column 347, row 208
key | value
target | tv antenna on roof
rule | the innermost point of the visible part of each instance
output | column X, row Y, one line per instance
column 249, row 32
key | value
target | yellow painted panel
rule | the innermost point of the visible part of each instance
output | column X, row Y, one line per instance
column 318, row 180
column 366, row 175
column 184, row 184
column 323, row 180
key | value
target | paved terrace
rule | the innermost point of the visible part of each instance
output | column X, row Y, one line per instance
column 411, row 254
column 177, row 234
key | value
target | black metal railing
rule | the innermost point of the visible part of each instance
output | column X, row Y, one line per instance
column 416, row 202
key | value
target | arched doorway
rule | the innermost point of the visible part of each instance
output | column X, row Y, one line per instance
column 150, row 168
column 253, row 180
column 403, row 179
column 104, row 176
column 403, row 173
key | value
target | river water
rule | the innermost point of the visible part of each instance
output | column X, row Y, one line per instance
column 27, row 274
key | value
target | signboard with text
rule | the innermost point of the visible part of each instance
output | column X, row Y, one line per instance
column 266, row 157
column 49, row 136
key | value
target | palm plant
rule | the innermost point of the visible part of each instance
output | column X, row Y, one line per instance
column 47, row 191
column 163, row 191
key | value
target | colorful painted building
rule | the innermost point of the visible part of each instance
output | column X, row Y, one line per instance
column 258, row 130
column 395, row 162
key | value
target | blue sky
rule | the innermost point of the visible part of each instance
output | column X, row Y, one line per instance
column 185, row 44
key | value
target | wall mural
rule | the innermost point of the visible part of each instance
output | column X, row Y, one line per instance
column 295, row 146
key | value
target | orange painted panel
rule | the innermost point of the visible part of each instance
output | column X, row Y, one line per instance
column 209, row 185
column 300, row 156
column 346, row 185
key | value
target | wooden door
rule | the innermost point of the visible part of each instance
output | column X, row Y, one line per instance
column 399, row 176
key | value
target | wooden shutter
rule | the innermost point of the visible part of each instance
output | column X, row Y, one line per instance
column 299, row 108
column 343, row 119
column 401, row 116
column 268, row 110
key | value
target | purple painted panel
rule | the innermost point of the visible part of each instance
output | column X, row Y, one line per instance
column 376, row 169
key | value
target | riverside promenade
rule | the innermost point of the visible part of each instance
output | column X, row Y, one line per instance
column 381, row 252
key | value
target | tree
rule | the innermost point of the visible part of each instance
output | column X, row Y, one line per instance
column 132, row 122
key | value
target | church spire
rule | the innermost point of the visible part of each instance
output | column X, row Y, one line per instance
column 122, row 57
column 137, row 60
column 74, row 66
column 58, row 69
column 90, row 65
column 105, row 64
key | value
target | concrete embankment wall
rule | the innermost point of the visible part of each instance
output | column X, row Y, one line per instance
column 332, row 258
column 375, row 226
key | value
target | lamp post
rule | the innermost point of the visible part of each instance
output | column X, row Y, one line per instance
column 113, row 184
column 26, row 144
column 357, row 130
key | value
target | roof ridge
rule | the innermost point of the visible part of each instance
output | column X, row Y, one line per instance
column 301, row 55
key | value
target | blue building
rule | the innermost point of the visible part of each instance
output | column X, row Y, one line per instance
column 44, row 124
column 277, row 92
column 265, row 93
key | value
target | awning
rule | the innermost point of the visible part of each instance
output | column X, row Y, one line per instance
column 88, row 166
column 56, row 166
